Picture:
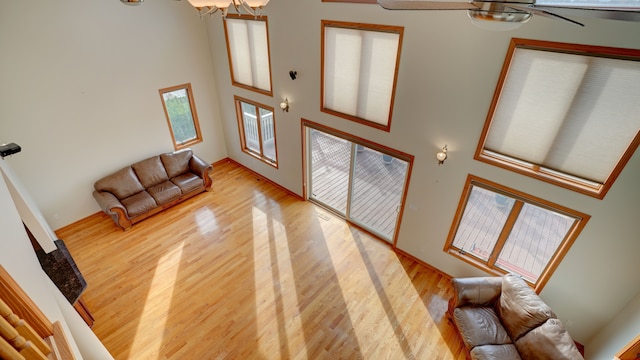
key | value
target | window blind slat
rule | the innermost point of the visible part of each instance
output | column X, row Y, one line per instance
column 260, row 51
column 379, row 54
column 238, row 35
column 342, row 69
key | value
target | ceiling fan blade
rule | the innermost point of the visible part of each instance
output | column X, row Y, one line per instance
column 541, row 12
column 425, row 5
column 629, row 14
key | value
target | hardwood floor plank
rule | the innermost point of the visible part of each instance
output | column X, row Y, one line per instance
column 248, row 271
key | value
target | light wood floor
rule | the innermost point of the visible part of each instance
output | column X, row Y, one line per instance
column 248, row 271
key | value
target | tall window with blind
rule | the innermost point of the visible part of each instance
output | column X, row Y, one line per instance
column 359, row 71
column 565, row 113
column 248, row 50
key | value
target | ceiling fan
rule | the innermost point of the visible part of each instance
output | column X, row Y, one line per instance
column 518, row 12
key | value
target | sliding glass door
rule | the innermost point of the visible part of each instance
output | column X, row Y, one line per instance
column 359, row 181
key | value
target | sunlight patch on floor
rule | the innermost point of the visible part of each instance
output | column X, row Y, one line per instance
column 373, row 320
column 206, row 221
column 275, row 290
column 149, row 335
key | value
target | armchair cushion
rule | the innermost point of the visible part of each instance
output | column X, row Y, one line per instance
column 550, row 341
column 477, row 291
column 493, row 352
column 520, row 308
column 480, row 326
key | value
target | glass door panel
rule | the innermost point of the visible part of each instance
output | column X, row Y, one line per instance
column 268, row 134
column 330, row 168
column 377, row 189
column 251, row 132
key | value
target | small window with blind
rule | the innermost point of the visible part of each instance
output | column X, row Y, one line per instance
column 359, row 71
column 248, row 50
column 565, row 113
column 502, row 230
column 257, row 128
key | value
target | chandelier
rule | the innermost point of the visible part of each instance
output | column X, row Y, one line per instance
column 205, row 7
column 252, row 7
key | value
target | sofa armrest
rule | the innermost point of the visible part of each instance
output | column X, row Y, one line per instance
column 475, row 291
column 110, row 204
column 202, row 169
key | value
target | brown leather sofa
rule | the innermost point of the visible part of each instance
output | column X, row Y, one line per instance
column 503, row 318
column 147, row 187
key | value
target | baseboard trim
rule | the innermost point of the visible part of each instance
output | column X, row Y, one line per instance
column 261, row 177
column 421, row 262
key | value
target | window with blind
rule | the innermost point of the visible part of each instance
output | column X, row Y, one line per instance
column 565, row 113
column 248, row 50
column 502, row 230
column 359, row 71
column 257, row 128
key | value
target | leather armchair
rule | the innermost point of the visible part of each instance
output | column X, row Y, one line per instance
column 503, row 318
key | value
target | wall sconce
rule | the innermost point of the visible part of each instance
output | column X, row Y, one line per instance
column 293, row 74
column 285, row 105
column 442, row 155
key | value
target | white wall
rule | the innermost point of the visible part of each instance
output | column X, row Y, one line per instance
column 19, row 259
column 447, row 76
column 79, row 92
column 618, row 333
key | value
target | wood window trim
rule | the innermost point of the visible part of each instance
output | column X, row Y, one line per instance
column 554, row 261
column 534, row 170
column 234, row 82
column 629, row 351
column 194, row 115
column 243, row 144
column 367, row 27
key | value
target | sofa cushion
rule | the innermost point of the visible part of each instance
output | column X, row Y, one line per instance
column 480, row 326
column 176, row 163
column 164, row 192
column 493, row 352
column 520, row 308
column 139, row 204
column 476, row 291
column 150, row 171
column 188, row 182
column 549, row 341
column 122, row 183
